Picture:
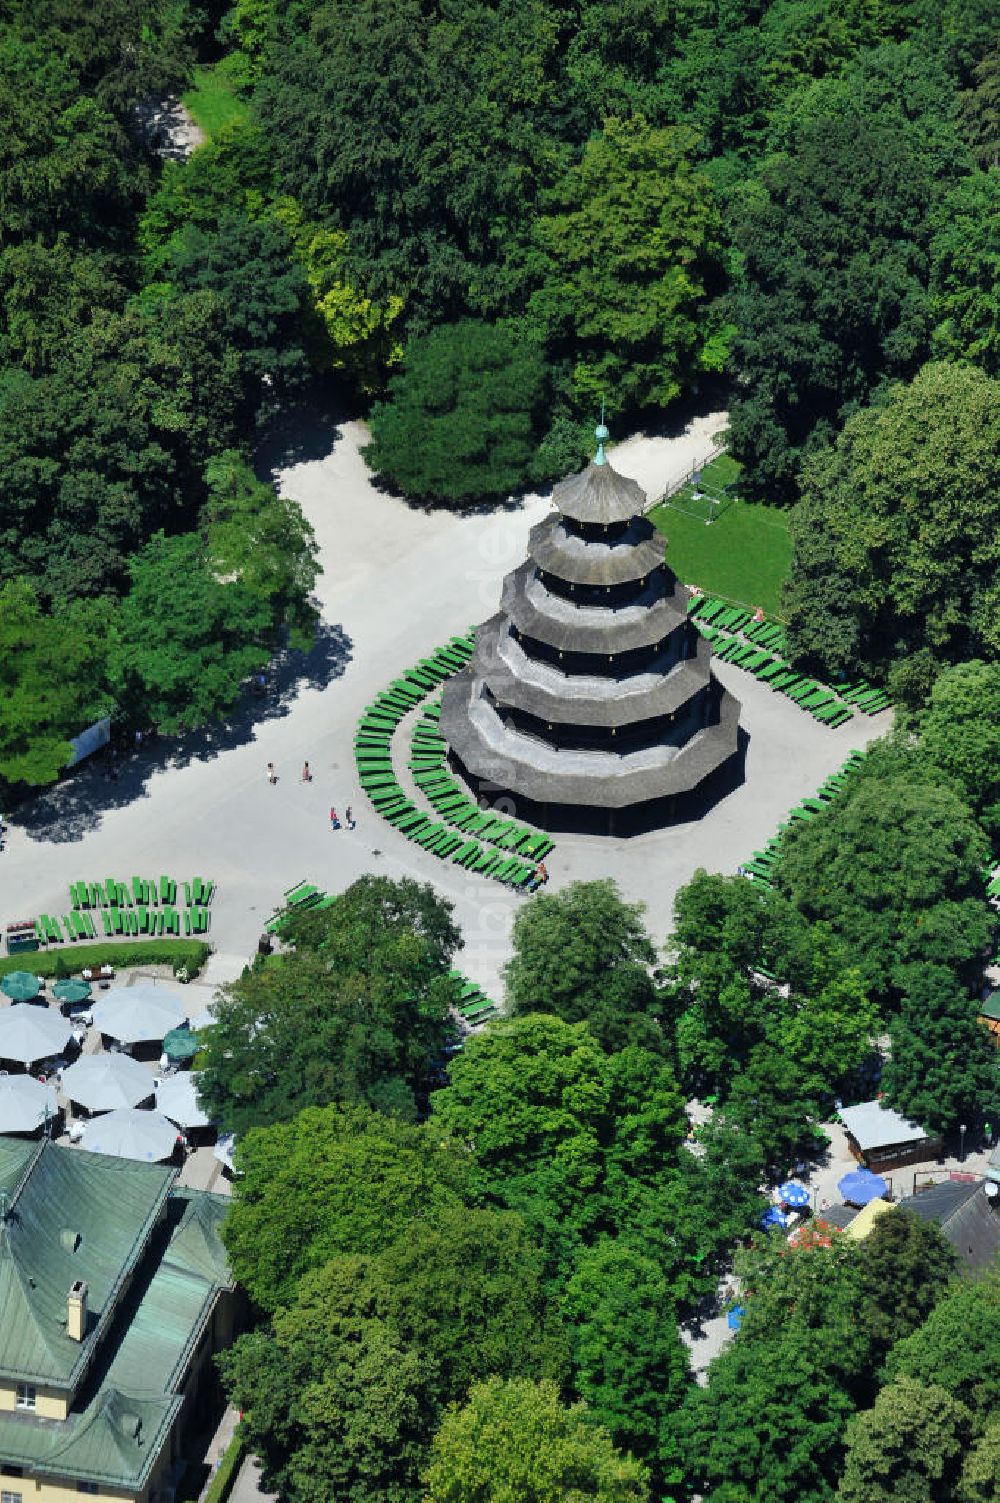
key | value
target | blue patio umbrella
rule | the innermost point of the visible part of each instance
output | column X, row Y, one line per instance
column 791, row 1193
column 773, row 1216
column 860, row 1186
column 735, row 1317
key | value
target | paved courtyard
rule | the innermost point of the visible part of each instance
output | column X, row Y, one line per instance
column 397, row 581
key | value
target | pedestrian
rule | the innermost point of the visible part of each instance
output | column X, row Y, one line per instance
column 272, row 776
column 988, row 1134
column 758, row 614
column 542, row 874
column 349, row 817
column 334, row 821
column 307, row 776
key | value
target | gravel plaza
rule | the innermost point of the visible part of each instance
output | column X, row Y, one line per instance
column 397, row 580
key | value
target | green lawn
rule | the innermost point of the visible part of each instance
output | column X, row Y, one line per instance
column 745, row 554
column 212, row 100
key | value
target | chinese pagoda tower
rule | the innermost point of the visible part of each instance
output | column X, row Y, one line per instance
column 590, row 700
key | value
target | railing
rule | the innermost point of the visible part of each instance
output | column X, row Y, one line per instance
column 678, row 484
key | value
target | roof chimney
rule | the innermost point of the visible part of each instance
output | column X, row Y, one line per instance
column 76, row 1311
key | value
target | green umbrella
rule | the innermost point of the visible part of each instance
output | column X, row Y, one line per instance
column 180, row 1043
column 73, row 990
column 20, row 986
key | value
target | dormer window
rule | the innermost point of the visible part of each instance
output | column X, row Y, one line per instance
column 26, row 1396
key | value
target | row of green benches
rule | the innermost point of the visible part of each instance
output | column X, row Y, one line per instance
column 820, row 701
column 142, row 893
column 373, row 755
column 474, row 1007
column 430, row 773
column 750, row 644
column 298, row 899
column 121, row 921
column 736, row 618
column 762, row 864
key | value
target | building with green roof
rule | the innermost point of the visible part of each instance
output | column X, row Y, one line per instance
column 115, row 1293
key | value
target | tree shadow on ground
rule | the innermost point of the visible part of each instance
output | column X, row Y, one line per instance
column 305, row 433
column 430, row 506
column 713, row 395
column 76, row 805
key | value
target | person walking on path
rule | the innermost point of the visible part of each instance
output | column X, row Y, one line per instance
column 349, row 818
column 272, row 776
column 334, row 821
column 307, row 776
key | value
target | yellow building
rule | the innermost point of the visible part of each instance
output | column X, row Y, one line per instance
column 114, row 1294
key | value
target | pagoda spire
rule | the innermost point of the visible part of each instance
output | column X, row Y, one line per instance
column 602, row 435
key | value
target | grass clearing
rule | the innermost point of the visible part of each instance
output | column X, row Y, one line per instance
column 212, row 100
column 745, row 553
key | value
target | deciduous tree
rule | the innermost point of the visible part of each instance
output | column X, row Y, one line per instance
column 894, row 866
column 910, row 1445
column 185, row 642
column 462, row 416
column 630, row 242
column 583, row 954
column 331, row 1182
column 517, row 1440
column 901, row 518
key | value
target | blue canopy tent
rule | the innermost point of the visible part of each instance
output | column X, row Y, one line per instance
column 735, row 1317
column 773, row 1216
column 791, row 1193
column 860, row 1186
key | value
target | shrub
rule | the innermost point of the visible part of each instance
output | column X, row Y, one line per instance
column 190, row 953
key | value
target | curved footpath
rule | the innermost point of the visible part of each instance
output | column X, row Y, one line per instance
column 397, row 581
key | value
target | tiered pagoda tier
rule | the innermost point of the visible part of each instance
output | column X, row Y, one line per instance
column 590, row 690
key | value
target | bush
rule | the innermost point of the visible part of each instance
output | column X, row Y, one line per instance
column 190, row 953
column 462, row 418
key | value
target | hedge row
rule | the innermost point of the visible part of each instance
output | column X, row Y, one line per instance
column 221, row 1483
column 191, row 953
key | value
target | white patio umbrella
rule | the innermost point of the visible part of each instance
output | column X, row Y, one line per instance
column 203, row 1019
column 177, row 1098
column 131, row 1134
column 223, row 1150
column 25, row 1103
column 138, row 1014
column 28, row 1033
column 104, row 1082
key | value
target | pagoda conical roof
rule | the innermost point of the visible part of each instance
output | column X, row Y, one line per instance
column 599, row 494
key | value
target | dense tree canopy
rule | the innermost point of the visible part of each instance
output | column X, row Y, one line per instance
column 450, row 1303
column 630, row 259
column 958, row 1346
column 461, row 418
column 897, row 538
column 909, row 1445
column 51, row 683
column 752, row 976
column 583, row 954
column 629, row 1362
column 560, row 1131
column 517, row 1440
column 771, row 1421
column 185, row 642
column 357, row 1012
column 895, row 868
column 834, row 237
column 330, row 1182
column 960, row 734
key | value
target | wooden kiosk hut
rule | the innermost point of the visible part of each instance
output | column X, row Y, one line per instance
column 590, row 701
